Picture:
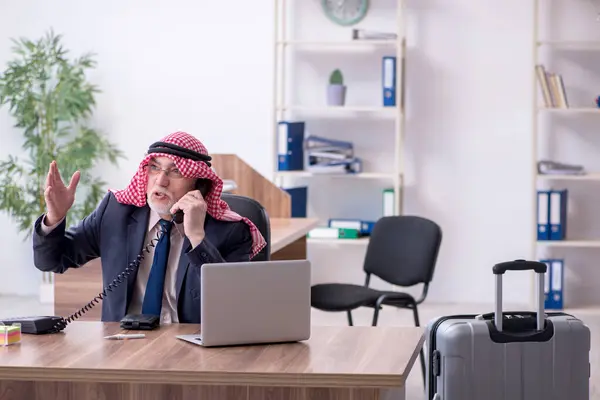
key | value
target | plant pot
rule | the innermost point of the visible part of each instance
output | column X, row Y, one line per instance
column 336, row 95
column 47, row 293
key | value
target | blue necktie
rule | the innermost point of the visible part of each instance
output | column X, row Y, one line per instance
column 156, row 282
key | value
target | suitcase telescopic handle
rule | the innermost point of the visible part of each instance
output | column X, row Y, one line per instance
column 520, row 265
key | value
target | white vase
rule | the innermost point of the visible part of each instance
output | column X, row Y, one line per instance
column 336, row 95
column 47, row 293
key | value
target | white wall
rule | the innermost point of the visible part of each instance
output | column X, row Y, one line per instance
column 208, row 70
column 469, row 140
column 162, row 67
column 468, row 114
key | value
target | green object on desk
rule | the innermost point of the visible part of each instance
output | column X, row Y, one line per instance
column 333, row 233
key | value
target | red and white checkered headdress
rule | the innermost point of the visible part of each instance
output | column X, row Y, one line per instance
column 135, row 192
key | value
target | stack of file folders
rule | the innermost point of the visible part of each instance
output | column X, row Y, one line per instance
column 553, row 284
column 552, row 210
column 343, row 228
column 557, row 168
column 323, row 155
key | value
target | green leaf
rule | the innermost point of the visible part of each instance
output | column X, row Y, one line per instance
column 50, row 99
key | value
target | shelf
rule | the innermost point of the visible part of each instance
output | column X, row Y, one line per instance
column 595, row 176
column 390, row 111
column 362, row 175
column 579, row 110
column 341, row 50
column 569, row 243
column 361, row 241
column 576, row 44
column 339, row 43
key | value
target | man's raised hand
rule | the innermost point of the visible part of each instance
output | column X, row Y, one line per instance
column 59, row 198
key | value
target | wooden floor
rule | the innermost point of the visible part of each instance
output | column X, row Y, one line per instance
column 13, row 306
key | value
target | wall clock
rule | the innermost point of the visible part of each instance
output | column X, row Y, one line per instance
column 345, row 12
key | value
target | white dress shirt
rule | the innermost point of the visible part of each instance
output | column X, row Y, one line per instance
column 169, row 303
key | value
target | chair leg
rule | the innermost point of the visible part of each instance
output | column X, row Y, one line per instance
column 375, row 316
column 350, row 322
column 421, row 353
column 422, row 357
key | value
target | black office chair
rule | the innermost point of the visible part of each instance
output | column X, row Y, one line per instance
column 255, row 212
column 403, row 251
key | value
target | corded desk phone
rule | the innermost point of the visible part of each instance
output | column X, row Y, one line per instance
column 54, row 324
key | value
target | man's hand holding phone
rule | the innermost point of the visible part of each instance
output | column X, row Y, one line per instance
column 194, row 208
column 59, row 198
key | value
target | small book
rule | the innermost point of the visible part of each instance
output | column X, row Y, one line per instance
column 326, row 232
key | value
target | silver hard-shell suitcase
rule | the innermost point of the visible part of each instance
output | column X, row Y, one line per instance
column 509, row 355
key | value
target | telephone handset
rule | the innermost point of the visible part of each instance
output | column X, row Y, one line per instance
column 204, row 186
column 178, row 217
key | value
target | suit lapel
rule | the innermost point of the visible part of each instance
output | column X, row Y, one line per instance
column 136, row 233
column 183, row 265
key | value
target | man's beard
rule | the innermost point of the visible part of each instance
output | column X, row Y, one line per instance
column 163, row 207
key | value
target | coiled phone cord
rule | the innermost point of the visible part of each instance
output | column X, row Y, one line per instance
column 119, row 279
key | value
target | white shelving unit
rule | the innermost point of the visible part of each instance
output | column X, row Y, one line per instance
column 540, row 110
column 285, row 46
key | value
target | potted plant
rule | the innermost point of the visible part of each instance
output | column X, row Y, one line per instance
column 51, row 101
column 336, row 91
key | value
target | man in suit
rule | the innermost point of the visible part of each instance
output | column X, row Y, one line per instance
column 175, row 175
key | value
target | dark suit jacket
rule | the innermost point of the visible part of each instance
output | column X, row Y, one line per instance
column 116, row 233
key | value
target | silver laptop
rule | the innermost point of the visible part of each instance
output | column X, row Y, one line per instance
column 254, row 302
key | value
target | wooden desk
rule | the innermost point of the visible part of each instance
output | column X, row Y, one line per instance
column 76, row 287
column 359, row 363
column 288, row 237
